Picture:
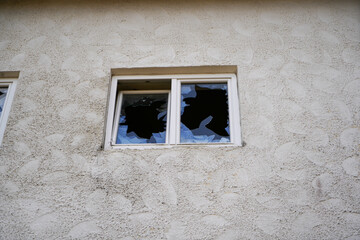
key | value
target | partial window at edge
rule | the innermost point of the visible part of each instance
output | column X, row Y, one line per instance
column 7, row 90
column 3, row 94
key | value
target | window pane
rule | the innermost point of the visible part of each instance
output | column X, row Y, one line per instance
column 143, row 119
column 3, row 92
column 204, row 113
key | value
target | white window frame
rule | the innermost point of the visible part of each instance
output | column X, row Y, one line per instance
column 10, row 84
column 173, row 114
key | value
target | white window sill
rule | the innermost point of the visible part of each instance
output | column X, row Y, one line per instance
column 164, row 146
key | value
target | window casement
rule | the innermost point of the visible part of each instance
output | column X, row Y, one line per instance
column 167, row 110
column 7, row 90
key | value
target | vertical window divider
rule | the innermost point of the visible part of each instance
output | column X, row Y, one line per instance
column 235, row 111
column 173, row 111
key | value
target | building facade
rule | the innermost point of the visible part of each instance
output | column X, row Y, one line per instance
column 293, row 174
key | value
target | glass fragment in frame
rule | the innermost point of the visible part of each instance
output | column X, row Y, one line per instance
column 143, row 118
column 204, row 113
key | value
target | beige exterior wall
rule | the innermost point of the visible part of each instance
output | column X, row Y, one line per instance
column 297, row 177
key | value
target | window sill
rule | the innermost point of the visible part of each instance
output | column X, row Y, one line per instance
column 164, row 146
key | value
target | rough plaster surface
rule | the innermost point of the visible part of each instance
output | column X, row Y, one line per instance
column 299, row 80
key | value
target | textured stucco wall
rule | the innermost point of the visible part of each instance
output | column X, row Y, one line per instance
column 299, row 80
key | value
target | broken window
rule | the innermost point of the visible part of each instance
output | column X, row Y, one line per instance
column 3, row 93
column 173, row 109
column 7, row 91
column 204, row 113
column 143, row 119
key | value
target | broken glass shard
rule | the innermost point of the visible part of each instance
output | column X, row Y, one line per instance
column 204, row 113
column 3, row 93
column 143, row 119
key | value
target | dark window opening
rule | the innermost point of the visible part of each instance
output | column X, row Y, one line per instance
column 139, row 84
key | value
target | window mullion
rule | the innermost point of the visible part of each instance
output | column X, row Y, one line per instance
column 235, row 111
column 173, row 111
